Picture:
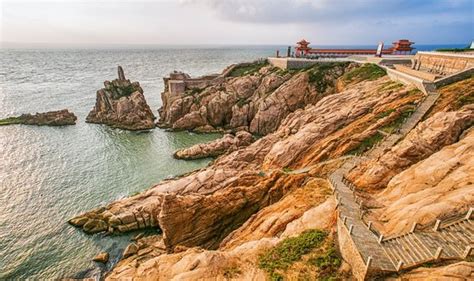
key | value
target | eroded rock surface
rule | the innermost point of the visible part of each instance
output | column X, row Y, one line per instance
column 435, row 188
column 252, row 176
column 121, row 104
column 255, row 102
column 227, row 143
column 429, row 136
column 50, row 118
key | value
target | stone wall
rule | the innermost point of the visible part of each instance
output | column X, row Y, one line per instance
column 442, row 63
column 349, row 251
column 406, row 79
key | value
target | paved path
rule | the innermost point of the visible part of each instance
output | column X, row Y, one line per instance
column 454, row 240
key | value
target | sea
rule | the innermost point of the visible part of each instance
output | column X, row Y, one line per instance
column 50, row 174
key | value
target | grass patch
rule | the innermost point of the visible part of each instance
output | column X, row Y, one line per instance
column 328, row 264
column 232, row 272
column 242, row 101
column 289, row 251
column 317, row 74
column 367, row 144
column 247, row 69
column 463, row 100
column 368, row 71
column 397, row 123
column 261, row 174
column 11, row 121
column 287, row 170
column 454, row 50
column 384, row 114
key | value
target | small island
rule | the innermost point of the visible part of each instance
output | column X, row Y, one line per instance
column 50, row 118
column 121, row 104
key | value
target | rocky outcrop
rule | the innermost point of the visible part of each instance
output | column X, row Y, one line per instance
column 102, row 257
column 456, row 271
column 227, row 143
column 50, row 118
column 121, row 104
column 435, row 188
column 253, row 176
column 255, row 102
column 250, row 199
column 429, row 136
column 238, row 262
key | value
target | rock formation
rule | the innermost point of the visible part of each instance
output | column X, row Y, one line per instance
column 50, row 118
column 253, row 176
column 429, row 136
column 227, row 143
column 255, row 102
column 121, row 104
column 217, row 222
column 435, row 188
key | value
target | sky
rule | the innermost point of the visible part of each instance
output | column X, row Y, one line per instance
column 243, row 22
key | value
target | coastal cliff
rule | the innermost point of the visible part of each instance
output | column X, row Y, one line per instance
column 121, row 104
column 266, row 210
column 253, row 97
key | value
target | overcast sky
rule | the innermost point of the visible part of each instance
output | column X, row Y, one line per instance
column 236, row 21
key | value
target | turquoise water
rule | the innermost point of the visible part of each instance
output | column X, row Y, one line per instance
column 49, row 174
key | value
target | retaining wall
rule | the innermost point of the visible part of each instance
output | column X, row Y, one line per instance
column 349, row 251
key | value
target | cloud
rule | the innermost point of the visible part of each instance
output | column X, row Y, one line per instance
column 329, row 11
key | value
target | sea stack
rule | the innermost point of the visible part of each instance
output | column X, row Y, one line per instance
column 121, row 104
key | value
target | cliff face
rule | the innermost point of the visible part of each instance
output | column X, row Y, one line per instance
column 121, row 104
column 256, row 102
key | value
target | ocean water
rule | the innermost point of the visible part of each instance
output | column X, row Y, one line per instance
column 49, row 174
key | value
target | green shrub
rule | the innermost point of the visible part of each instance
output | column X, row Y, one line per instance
column 367, row 143
column 11, row 121
column 368, row 71
column 247, row 69
column 290, row 250
column 328, row 263
column 232, row 272
column 397, row 123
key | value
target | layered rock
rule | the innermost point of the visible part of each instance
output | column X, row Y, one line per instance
column 456, row 271
column 255, row 102
column 435, row 188
column 121, row 104
column 50, row 118
column 252, row 176
column 227, row 143
column 237, row 262
column 429, row 136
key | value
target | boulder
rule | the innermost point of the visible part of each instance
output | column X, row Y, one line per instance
column 102, row 257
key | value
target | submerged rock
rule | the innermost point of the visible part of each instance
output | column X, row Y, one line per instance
column 102, row 257
column 227, row 143
column 121, row 104
column 50, row 118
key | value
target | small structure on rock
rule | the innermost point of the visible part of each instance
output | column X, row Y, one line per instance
column 121, row 104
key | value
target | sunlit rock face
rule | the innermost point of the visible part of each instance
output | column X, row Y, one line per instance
column 121, row 104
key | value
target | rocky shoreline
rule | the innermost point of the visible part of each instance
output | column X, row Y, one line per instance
column 50, row 118
column 259, row 196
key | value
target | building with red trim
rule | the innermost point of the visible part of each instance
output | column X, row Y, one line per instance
column 401, row 47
